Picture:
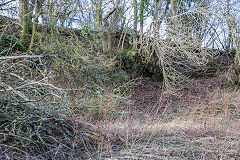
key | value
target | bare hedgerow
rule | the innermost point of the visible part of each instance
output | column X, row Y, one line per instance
column 94, row 83
column 36, row 120
column 180, row 44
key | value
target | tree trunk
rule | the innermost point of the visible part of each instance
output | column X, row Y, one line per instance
column 20, row 11
column 141, row 25
column 155, row 19
column 123, row 24
column 157, row 22
column 135, row 24
column 109, row 36
column 171, row 25
column 237, row 62
column 108, row 27
column 173, row 12
column 26, row 23
column 26, row 11
column 99, row 15
column 34, row 25
column 230, row 26
column 98, row 24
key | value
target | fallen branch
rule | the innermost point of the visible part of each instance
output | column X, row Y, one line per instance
column 27, row 56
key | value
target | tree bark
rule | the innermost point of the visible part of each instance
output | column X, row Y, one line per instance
column 123, row 24
column 155, row 18
column 237, row 62
column 229, row 22
column 171, row 25
column 141, row 24
column 98, row 24
column 108, row 27
column 135, row 24
column 173, row 12
column 26, row 23
column 20, row 11
column 34, row 25
column 99, row 15
column 157, row 22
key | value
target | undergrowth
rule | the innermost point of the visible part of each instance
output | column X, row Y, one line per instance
column 35, row 120
column 97, row 84
column 42, row 99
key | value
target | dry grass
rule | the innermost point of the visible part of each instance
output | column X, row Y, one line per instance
column 203, row 127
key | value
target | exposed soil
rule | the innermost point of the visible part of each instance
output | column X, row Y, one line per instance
column 150, row 95
column 200, row 121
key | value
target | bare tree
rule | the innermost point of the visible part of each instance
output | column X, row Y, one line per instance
column 110, row 26
column 157, row 21
column 135, row 18
column 20, row 11
column 230, row 25
column 141, row 12
column 99, row 15
column 26, row 21
column 179, row 52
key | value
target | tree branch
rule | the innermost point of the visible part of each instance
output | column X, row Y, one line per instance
column 107, row 16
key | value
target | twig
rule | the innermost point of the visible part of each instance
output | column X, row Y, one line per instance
column 27, row 56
